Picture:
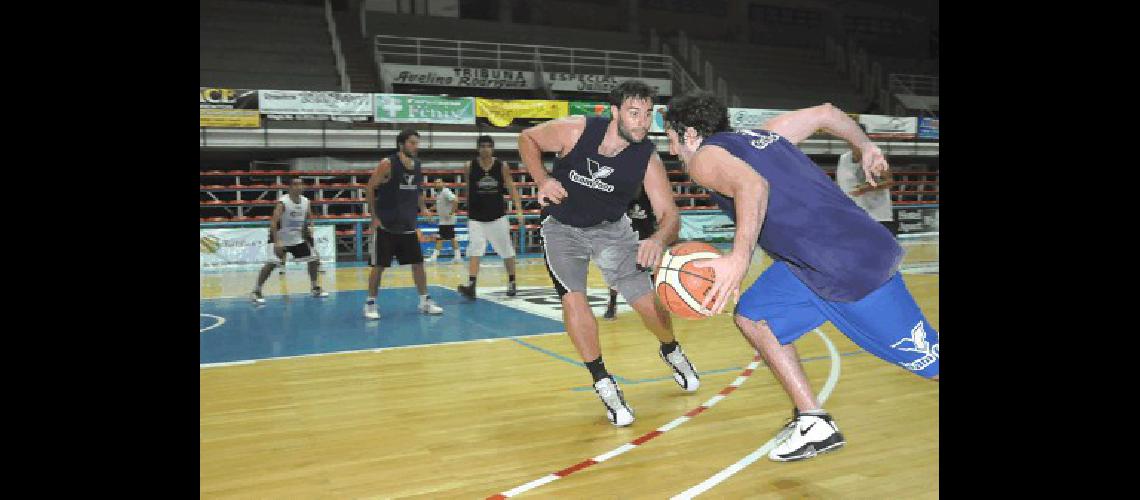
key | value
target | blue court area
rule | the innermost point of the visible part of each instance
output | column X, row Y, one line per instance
column 234, row 329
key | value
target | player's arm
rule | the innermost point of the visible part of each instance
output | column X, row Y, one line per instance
column 379, row 176
column 513, row 189
column 557, row 136
column 660, row 193
column 801, row 124
column 275, row 221
column 717, row 169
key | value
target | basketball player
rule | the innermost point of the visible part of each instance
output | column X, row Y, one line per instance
column 832, row 262
column 393, row 195
column 291, row 231
column 445, row 210
column 487, row 178
column 644, row 222
column 600, row 165
column 876, row 200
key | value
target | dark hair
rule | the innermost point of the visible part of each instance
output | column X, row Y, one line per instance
column 700, row 110
column 484, row 139
column 631, row 89
column 404, row 135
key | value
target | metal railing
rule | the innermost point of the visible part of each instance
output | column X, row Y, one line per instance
column 493, row 55
column 345, row 85
column 913, row 84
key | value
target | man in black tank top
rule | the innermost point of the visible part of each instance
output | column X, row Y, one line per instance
column 601, row 163
column 487, row 178
column 394, row 193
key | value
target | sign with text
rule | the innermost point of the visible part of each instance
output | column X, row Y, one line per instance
column 403, row 108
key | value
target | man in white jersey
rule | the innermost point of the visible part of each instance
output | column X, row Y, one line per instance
column 445, row 210
column 291, row 231
column 876, row 200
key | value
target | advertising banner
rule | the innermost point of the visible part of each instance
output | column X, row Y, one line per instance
column 403, row 108
column 502, row 112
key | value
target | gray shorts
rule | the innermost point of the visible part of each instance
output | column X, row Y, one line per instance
column 612, row 246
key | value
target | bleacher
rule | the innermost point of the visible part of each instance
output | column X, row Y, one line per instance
column 773, row 77
column 265, row 45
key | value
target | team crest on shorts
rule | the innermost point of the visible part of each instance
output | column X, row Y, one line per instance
column 916, row 342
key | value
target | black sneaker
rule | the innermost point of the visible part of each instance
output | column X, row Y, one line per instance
column 512, row 290
column 318, row 293
column 467, row 291
column 611, row 311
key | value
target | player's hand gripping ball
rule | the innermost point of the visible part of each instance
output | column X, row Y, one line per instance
column 680, row 284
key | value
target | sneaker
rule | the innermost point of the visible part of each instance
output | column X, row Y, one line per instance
column 371, row 311
column 429, row 307
column 810, row 434
column 256, row 297
column 611, row 311
column 512, row 290
column 619, row 413
column 467, row 291
column 683, row 371
column 320, row 294
column 432, row 257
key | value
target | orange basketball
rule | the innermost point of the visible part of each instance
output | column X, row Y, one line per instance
column 682, row 285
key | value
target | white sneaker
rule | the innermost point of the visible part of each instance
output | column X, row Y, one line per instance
column 319, row 293
column 371, row 311
column 619, row 413
column 683, row 371
column 429, row 307
column 434, row 255
column 809, row 435
column 256, row 297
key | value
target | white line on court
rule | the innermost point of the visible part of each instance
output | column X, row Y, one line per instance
column 378, row 349
column 221, row 321
column 717, row 478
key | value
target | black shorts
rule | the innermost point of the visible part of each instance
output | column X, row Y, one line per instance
column 446, row 232
column 298, row 251
column 644, row 231
column 404, row 247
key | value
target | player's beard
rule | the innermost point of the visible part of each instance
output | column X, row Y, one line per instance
column 408, row 153
column 625, row 135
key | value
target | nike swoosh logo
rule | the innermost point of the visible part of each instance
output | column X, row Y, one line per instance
column 805, row 431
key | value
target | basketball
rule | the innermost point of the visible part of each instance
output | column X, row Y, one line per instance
column 682, row 285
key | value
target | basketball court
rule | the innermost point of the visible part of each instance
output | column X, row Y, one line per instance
column 304, row 397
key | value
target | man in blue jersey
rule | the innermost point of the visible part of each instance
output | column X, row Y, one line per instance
column 831, row 261
column 601, row 164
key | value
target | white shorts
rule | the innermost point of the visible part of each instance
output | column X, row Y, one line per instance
column 498, row 232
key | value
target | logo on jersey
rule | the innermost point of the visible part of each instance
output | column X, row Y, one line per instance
column 409, row 182
column 597, row 173
column 761, row 141
column 488, row 184
column 637, row 212
column 916, row 342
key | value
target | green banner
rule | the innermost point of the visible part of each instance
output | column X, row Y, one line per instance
column 590, row 108
column 404, row 108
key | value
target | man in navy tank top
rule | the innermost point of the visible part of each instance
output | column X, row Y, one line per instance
column 600, row 165
column 831, row 261
column 395, row 197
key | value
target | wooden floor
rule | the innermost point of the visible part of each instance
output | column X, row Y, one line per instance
column 475, row 419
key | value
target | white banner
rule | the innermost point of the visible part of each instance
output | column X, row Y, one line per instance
column 450, row 76
column 307, row 102
column 707, row 227
column 236, row 247
column 749, row 119
column 572, row 82
column 889, row 127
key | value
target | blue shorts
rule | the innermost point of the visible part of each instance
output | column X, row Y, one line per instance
column 886, row 323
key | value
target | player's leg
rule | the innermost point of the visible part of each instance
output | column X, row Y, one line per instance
column 567, row 256
column 889, row 324
column 476, row 247
column 304, row 251
column 379, row 257
column 267, row 270
column 615, row 246
column 407, row 251
column 499, row 235
column 775, row 311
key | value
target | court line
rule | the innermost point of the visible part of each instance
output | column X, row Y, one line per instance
column 729, row 471
column 560, row 357
column 720, row 396
column 221, row 321
column 374, row 349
